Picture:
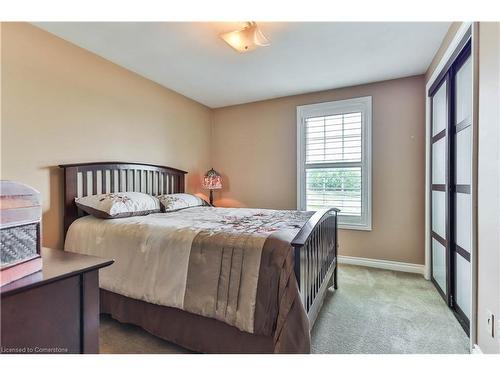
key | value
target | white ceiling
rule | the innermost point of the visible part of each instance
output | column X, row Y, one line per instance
column 190, row 58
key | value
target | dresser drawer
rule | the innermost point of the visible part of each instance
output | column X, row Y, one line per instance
column 55, row 310
column 45, row 319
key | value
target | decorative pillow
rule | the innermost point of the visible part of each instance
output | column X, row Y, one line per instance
column 174, row 202
column 115, row 205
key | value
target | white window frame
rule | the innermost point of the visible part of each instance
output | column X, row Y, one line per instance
column 363, row 105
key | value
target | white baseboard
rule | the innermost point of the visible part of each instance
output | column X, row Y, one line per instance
column 476, row 349
column 383, row 264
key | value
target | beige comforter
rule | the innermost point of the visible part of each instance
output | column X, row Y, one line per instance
column 233, row 265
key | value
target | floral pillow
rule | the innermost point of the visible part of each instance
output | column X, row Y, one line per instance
column 174, row 202
column 115, row 205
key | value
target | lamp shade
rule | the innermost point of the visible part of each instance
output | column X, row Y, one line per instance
column 212, row 180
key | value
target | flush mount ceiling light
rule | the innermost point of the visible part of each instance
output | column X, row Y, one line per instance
column 246, row 39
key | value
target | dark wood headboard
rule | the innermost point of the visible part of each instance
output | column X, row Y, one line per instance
column 84, row 179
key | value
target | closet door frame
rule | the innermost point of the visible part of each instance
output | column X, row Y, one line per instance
column 464, row 55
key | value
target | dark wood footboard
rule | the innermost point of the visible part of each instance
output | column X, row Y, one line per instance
column 316, row 259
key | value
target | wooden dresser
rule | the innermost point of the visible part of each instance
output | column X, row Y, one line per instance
column 55, row 310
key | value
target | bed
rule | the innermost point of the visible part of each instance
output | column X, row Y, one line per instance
column 213, row 280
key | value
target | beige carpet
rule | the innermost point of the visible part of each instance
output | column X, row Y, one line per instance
column 373, row 311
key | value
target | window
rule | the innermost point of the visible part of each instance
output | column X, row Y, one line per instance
column 334, row 159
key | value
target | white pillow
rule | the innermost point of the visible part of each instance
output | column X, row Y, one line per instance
column 174, row 202
column 116, row 205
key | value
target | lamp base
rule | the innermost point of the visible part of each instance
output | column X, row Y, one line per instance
column 211, row 197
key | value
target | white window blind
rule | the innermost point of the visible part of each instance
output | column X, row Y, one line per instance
column 334, row 166
column 333, row 138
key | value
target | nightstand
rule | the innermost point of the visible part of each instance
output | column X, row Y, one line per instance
column 55, row 310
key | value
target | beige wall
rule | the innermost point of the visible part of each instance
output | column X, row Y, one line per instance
column 255, row 150
column 62, row 104
column 489, row 184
